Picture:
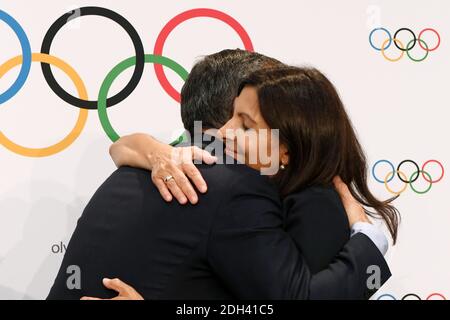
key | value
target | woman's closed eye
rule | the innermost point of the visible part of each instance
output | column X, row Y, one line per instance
column 247, row 123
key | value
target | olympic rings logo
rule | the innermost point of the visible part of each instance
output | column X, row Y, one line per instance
column 103, row 102
column 397, row 172
column 400, row 45
column 414, row 296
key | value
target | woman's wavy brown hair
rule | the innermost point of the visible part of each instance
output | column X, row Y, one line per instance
column 314, row 126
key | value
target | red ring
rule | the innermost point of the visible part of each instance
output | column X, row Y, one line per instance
column 423, row 170
column 436, row 294
column 439, row 39
column 182, row 17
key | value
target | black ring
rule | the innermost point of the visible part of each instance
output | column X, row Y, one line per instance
column 398, row 171
column 409, row 30
column 411, row 295
column 137, row 42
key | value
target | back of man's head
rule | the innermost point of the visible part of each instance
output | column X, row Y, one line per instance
column 212, row 85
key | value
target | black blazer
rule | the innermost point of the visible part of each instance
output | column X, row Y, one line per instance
column 317, row 222
column 230, row 245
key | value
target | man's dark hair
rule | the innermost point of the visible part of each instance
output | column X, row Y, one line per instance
column 212, row 85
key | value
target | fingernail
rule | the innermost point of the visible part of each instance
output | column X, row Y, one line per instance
column 211, row 160
column 203, row 188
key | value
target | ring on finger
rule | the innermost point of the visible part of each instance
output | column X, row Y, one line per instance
column 168, row 178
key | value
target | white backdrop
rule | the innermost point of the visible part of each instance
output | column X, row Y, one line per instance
column 400, row 110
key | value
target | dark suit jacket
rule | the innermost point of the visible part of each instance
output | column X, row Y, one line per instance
column 230, row 245
column 317, row 222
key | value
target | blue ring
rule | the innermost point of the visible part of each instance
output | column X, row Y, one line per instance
column 378, row 162
column 382, row 29
column 26, row 57
column 387, row 295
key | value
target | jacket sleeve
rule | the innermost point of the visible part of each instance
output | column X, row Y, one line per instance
column 257, row 259
column 318, row 224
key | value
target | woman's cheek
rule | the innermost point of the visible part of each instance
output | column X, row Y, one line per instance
column 252, row 147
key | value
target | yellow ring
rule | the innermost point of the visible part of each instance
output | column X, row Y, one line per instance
column 401, row 46
column 389, row 189
column 82, row 117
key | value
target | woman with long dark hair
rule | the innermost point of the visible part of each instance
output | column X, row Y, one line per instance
column 315, row 132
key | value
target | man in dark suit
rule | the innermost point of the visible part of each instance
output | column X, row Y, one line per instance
column 230, row 245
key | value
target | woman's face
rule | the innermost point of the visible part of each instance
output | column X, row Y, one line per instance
column 248, row 137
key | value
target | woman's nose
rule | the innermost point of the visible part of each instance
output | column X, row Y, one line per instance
column 227, row 132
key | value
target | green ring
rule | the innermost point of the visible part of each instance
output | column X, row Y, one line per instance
column 413, row 59
column 114, row 73
column 429, row 177
column 182, row 138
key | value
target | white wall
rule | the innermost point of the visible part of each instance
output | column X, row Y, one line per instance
column 400, row 111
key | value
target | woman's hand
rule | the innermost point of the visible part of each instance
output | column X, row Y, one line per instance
column 172, row 169
column 125, row 292
column 353, row 208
